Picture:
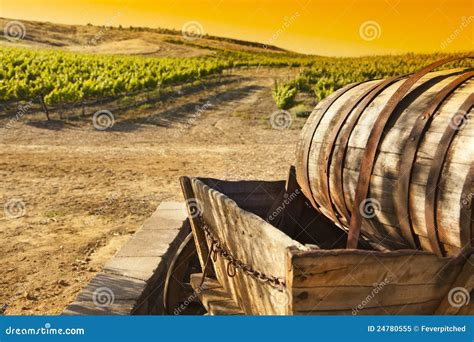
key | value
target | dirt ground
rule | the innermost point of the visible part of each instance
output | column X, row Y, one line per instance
column 80, row 192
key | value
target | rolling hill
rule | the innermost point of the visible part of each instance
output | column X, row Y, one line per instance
column 125, row 41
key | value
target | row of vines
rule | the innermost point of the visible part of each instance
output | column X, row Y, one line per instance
column 325, row 75
column 64, row 77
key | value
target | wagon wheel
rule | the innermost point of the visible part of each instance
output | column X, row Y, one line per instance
column 178, row 296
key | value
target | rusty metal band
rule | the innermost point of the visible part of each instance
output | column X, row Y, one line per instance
column 466, row 222
column 407, row 162
column 436, row 170
column 340, row 155
column 375, row 137
column 306, row 146
column 346, row 111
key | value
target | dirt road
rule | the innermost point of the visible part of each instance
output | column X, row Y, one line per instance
column 80, row 192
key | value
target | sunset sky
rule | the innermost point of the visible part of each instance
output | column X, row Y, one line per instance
column 336, row 27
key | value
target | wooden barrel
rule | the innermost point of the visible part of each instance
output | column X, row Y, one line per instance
column 393, row 160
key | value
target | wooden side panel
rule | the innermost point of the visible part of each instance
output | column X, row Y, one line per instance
column 251, row 240
column 369, row 282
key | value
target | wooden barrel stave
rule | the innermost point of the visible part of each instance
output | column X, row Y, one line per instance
column 387, row 165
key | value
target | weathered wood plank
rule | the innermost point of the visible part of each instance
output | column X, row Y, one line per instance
column 413, row 270
column 322, row 280
column 350, row 297
column 418, row 308
column 242, row 232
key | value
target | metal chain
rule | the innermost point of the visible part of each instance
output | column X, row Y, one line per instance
column 234, row 264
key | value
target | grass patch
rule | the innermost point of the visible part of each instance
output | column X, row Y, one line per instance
column 301, row 110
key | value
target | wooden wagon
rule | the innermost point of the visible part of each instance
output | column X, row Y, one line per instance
column 263, row 250
column 308, row 245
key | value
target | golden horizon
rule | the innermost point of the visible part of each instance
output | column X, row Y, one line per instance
column 336, row 28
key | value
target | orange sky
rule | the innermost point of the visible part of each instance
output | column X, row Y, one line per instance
column 311, row 26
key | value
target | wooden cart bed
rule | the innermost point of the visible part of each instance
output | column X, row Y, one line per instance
column 268, row 229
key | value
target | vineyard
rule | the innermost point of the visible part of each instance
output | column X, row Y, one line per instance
column 62, row 77
column 325, row 75
column 65, row 77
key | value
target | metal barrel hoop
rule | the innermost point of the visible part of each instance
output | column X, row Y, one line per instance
column 347, row 109
column 408, row 158
column 375, row 137
column 340, row 154
column 308, row 142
